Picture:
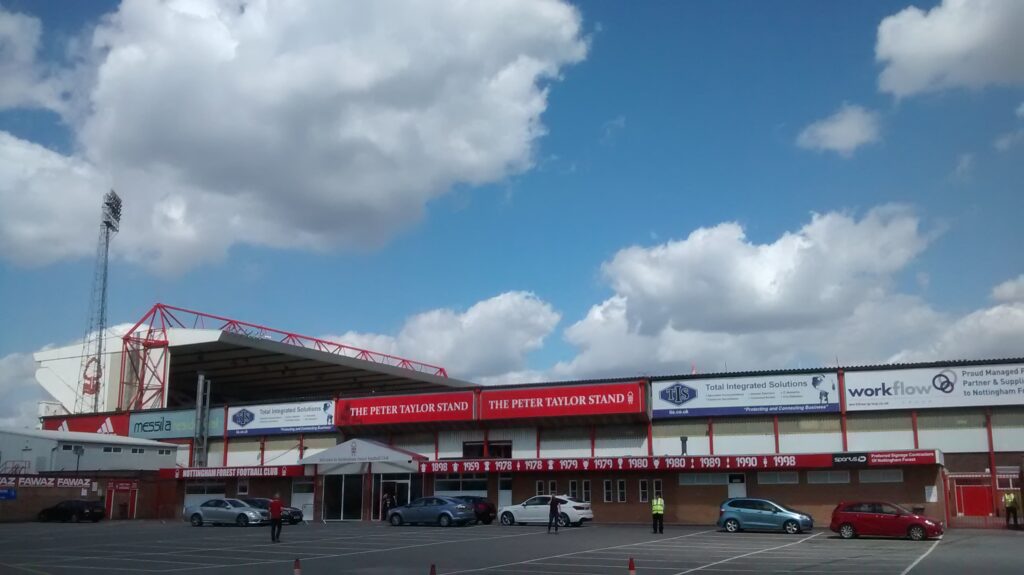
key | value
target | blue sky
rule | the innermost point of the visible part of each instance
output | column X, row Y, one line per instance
column 662, row 118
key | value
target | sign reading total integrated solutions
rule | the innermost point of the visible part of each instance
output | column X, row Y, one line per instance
column 304, row 417
column 961, row 386
column 769, row 394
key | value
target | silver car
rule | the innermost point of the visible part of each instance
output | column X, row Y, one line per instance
column 222, row 511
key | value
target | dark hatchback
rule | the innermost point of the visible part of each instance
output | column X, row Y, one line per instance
column 75, row 511
column 484, row 510
column 289, row 514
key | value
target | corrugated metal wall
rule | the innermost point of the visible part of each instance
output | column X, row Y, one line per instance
column 568, row 442
column 874, row 431
column 620, row 440
column 449, row 443
column 667, row 442
column 524, row 440
column 422, row 443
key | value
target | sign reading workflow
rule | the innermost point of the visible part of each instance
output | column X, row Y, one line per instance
column 962, row 386
column 305, row 417
column 801, row 393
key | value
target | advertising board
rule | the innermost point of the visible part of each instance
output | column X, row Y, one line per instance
column 279, row 418
column 405, row 409
column 754, row 395
column 533, row 402
column 922, row 388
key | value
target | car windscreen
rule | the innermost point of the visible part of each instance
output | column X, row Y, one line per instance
column 261, row 503
column 236, row 503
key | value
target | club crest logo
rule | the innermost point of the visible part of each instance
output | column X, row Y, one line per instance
column 243, row 417
column 678, row 394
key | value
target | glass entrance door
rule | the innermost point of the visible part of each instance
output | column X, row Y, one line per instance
column 352, row 498
column 399, row 491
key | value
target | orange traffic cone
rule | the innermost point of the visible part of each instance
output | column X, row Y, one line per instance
column 298, row 567
column 632, row 567
column 433, row 569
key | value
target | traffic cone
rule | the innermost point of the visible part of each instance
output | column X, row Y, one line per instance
column 433, row 569
column 632, row 567
column 298, row 567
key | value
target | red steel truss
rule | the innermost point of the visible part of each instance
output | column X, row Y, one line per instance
column 145, row 362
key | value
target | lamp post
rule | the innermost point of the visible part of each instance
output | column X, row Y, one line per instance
column 78, row 451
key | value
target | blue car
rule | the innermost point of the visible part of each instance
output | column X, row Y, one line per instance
column 443, row 511
column 746, row 513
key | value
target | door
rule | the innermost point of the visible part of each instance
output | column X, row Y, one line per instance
column 213, row 510
column 504, row 490
column 771, row 515
column 891, row 521
column 352, row 498
column 302, row 496
column 535, row 510
column 974, row 500
column 737, row 485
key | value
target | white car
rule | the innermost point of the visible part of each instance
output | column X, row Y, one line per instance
column 535, row 510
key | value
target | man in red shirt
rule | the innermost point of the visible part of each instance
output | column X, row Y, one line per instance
column 275, row 518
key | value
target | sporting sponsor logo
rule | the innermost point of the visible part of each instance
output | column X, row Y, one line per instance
column 163, row 424
column 945, row 381
column 106, row 427
column 678, row 394
column 63, row 426
column 849, row 459
column 243, row 417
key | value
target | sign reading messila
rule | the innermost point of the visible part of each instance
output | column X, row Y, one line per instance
column 604, row 399
column 456, row 406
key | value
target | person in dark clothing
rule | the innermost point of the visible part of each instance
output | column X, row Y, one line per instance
column 553, row 514
column 385, row 505
column 275, row 518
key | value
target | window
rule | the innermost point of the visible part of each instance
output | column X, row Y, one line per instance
column 703, row 479
column 828, row 477
column 538, row 501
column 643, row 491
column 243, row 486
column 573, row 491
column 586, row 491
column 108, row 449
column 778, row 477
column 1007, row 482
column 657, row 488
column 540, row 488
column 138, row 450
column 302, row 486
column 164, row 451
column 608, row 495
column 880, row 475
column 495, row 449
column 553, row 487
column 66, row 447
column 200, row 488
column 505, row 482
column 459, row 482
column 622, row 491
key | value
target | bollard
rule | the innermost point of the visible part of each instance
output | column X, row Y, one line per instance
column 632, row 567
column 298, row 567
column 433, row 569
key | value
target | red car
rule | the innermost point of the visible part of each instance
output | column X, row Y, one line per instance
column 877, row 518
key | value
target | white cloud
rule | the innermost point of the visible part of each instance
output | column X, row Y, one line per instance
column 960, row 43
column 843, row 132
column 25, row 82
column 300, row 125
column 1010, row 291
column 488, row 340
column 612, row 128
column 1008, row 140
column 19, row 390
column 1020, row 110
column 964, row 166
column 992, row 333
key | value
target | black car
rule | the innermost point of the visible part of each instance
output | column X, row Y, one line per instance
column 289, row 514
column 485, row 510
column 74, row 510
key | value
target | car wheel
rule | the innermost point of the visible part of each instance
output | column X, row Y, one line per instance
column 791, row 527
column 916, row 532
column 507, row 519
column 75, row 518
column 732, row 526
column 488, row 521
column 242, row 520
column 578, row 523
column 444, row 520
column 395, row 519
column 563, row 520
column 196, row 520
column 846, row 531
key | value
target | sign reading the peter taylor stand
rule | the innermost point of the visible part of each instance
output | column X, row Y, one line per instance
column 754, row 395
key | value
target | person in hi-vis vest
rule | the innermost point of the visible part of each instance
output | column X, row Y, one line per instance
column 1010, row 503
column 658, row 513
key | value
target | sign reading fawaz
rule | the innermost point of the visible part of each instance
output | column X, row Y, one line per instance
column 959, row 386
column 35, row 481
column 604, row 399
column 405, row 409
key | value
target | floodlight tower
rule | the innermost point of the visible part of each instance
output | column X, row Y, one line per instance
column 88, row 396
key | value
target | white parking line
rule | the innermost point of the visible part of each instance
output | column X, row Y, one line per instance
column 569, row 554
column 919, row 559
column 747, row 555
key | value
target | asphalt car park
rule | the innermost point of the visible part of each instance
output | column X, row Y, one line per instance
column 377, row 548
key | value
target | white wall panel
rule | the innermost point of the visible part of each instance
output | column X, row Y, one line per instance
column 744, row 444
column 281, row 451
column 215, row 453
column 524, row 440
column 1008, row 438
column 879, row 440
column 620, row 440
column 810, row 442
column 672, row 446
column 243, row 452
column 570, row 442
column 450, row 442
column 954, row 440
column 421, row 443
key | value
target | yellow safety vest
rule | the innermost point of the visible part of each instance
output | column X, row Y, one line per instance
column 1010, row 499
column 658, row 506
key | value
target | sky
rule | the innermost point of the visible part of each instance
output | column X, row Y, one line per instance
column 523, row 190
